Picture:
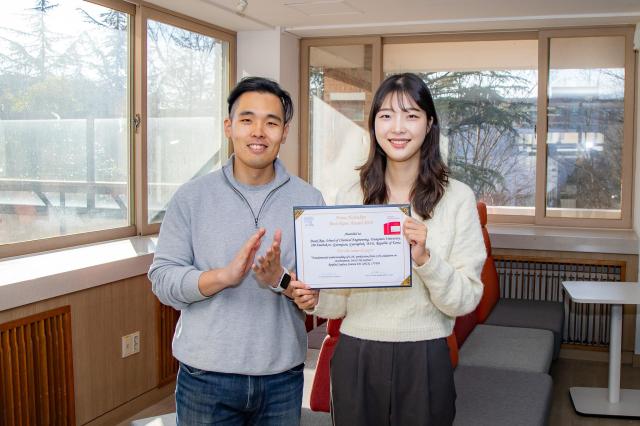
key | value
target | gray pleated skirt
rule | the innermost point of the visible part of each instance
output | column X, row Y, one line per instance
column 392, row 383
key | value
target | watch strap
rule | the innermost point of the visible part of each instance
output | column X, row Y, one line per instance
column 279, row 288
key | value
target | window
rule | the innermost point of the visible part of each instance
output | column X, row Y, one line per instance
column 79, row 112
column 64, row 108
column 539, row 124
column 585, row 130
column 485, row 94
column 340, row 81
column 187, row 89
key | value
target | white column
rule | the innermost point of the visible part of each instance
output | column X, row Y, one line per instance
column 275, row 55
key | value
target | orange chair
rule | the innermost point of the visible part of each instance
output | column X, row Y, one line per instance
column 320, row 397
column 493, row 310
column 489, row 274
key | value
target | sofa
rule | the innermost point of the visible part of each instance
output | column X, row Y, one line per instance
column 493, row 310
column 501, row 353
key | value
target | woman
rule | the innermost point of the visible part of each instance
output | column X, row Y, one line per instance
column 392, row 365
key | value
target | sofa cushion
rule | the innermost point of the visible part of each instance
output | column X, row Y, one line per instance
column 508, row 348
column 311, row 418
column 530, row 314
column 494, row 397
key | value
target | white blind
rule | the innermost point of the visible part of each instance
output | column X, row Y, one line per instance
column 586, row 52
column 352, row 56
column 461, row 56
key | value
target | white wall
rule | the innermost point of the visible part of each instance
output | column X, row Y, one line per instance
column 259, row 54
column 290, row 81
column 275, row 55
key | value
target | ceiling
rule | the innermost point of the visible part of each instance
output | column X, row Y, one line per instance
column 315, row 18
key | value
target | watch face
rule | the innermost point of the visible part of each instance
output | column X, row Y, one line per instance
column 286, row 279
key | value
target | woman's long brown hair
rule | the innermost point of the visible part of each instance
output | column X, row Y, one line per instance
column 433, row 174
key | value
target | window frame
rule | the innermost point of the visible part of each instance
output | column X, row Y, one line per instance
column 305, row 48
column 543, row 36
column 625, row 221
column 177, row 20
column 139, row 13
column 466, row 37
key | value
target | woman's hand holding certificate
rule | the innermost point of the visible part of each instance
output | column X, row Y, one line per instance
column 416, row 233
column 356, row 246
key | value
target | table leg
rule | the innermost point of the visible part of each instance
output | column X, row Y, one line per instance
column 611, row 401
column 615, row 350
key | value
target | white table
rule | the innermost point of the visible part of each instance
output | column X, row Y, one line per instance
column 612, row 401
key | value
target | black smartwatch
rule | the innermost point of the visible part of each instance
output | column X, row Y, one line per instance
column 285, row 280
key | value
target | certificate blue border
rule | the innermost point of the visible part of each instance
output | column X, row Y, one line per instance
column 352, row 206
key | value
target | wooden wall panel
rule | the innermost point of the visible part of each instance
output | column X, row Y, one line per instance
column 167, row 364
column 100, row 316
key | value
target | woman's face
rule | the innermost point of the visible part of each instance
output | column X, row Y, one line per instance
column 401, row 132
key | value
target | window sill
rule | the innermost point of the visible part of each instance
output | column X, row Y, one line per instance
column 549, row 238
column 32, row 278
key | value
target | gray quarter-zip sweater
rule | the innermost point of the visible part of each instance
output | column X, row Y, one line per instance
column 246, row 329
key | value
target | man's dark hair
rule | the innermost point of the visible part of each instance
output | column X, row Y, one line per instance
column 262, row 85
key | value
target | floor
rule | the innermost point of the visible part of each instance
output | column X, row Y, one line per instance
column 168, row 404
column 565, row 373
column 570, row 372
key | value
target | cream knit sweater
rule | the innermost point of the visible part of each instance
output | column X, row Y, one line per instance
column 446, row 286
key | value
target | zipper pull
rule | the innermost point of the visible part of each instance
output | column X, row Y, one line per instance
column 256, row 221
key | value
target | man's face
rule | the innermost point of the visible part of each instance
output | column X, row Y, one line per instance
column 256, row 128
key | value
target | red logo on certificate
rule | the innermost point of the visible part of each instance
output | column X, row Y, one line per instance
column 392, row 228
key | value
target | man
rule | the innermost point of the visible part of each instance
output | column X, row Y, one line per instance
column 240, row 340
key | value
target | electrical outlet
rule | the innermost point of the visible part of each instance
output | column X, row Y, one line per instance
column 136, row 342
column 130, row 344
column 126, row 346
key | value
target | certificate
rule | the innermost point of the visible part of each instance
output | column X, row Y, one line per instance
column 352, row 246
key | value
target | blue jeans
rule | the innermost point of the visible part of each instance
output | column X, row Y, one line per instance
column 209, row 398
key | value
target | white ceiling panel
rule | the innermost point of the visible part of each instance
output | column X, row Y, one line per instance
column 308, row 18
